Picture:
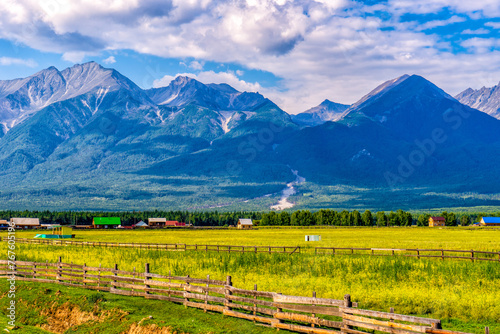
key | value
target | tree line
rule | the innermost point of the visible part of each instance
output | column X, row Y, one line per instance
column 206, row 218
column 272, row 218
column 367, row 218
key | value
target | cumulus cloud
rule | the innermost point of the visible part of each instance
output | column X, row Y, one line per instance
column 441, row 23
column 196, row 65
column 336, row 49
column 480, row 31
column 7, row 61
column 109, row 60
column 494, row 25
column 487, row 8
column 481, row 45
column 208, row 77
column 74, row 57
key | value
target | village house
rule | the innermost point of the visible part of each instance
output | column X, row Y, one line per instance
column 26, row 223
column 157, row 222
column 245, row 224
column 437, row 221
column 106, row 222
column 490, row 221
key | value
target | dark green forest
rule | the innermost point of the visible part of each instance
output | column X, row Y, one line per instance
column 272, row 218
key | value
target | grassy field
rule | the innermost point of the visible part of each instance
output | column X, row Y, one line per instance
column 397, row 237
column 51, row 308
column 463, row 294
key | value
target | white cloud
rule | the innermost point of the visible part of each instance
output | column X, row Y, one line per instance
column 480, row 45
column 316, row 49
column 208, row 77
column 442, row 23
column 8, row 61
column 494, row 25
column 480, row 31
column 196, row 65
column 487, row 8
column 109, row 60
column 74, row 57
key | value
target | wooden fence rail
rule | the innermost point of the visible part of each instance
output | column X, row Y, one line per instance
column 471, row 255
column 167, row 247
column 294, row 313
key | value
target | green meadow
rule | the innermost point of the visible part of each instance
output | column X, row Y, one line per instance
column 463, row 294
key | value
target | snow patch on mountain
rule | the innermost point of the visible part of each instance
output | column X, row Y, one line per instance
column 290, row 190
column 484, row 99
column 327, row 111
column 226, row 117
column 363, row 153
column 21, row 98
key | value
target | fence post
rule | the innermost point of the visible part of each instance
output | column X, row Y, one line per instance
column 99, row 276
column 442, row 255
column 472, row 255
column 34, row 270
column 347, row 304
column 229, row 283
column 486, row 330
column 169, row 281
column 115, row 274
column 436, row 325
column 279, row 310
column 254, row 305
column 59, row 271
column 146, row 277
column 133, row 276
column 418, row 254
column 84, row 274
column 206, row 293
column 186, row 298
column 312, row 314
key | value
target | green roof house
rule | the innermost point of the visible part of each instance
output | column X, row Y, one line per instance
column 106, row 222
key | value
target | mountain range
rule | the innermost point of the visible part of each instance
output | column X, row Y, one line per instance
column 87, row 137
column 484, row 99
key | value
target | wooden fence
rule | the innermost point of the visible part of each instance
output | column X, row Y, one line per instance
column 167, row 247
column 298, row 314
column 471, row 255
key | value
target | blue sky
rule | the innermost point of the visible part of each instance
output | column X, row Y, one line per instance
column 297, row 53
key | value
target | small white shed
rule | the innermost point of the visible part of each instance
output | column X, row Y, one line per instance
column 313, row 238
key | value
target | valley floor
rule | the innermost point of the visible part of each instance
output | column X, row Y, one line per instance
column 463, row 294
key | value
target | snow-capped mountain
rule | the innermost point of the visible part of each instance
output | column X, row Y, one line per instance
column 90, row 134
column 327, row 111
column 406, row 131
column 56, row 116
column 20, row 98
column 229, row 106
column 484, row 99
column 184, row 90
